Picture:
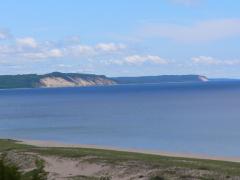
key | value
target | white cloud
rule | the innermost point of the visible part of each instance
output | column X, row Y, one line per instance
column 29, row 48
column 86, row 50
column 52, row 53
column 28, row 42
column 204, row 31
column 56, row 53
column 139, row 60
column 207, row 60
column 64, row 66
column 79, row 50
column 110, row 47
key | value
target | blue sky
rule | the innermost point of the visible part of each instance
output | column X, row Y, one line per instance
column 121, row 38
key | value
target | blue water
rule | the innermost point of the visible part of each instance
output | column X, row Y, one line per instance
column 201, row 118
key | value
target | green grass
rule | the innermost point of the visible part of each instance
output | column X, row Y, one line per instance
column 110, row 156
column 7, row 144
column 8, row 172
column 115, row 157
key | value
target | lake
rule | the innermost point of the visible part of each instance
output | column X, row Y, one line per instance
column 201, row 118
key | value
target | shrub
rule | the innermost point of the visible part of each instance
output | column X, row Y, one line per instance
column 8, row 172
column 157, row 178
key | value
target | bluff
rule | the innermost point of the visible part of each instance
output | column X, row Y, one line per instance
column 55, row 79
column 160, row 79
column 58, row 79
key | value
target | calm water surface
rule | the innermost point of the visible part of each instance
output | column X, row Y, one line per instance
column 199, row 118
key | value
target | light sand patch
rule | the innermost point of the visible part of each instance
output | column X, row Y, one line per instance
column 74, row 81
column 60, row 168
column 93, row 167
column 55, row 82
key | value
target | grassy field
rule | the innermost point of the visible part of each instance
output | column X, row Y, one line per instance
column 217, row 168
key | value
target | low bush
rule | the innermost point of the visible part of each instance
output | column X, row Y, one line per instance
column 8, row 172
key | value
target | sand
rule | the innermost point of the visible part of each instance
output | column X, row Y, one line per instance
column 92, row 167
column 40, row 143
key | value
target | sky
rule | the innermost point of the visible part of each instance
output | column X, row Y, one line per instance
column 121, row 37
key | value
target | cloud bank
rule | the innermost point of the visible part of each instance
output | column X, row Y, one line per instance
column 30, row 48
column 138, row 60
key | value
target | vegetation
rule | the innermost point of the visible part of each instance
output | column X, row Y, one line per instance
column 19, row 81
column 159, row 79
column 115, row 157
column 170, row 165
column 33, row 80
column 8, row 172
column 11, row 172
column 8, row 144
column 157, row 178
column 39, row 173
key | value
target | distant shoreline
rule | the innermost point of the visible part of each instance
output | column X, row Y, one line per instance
column 56, row 144
column 59, row 79
column 115, row 85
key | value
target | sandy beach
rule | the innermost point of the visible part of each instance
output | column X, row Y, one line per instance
column 47, row 144
column 53, row 160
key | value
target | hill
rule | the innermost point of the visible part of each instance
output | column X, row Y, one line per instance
column 58, row 79
column 160, row 79
column 55, row 79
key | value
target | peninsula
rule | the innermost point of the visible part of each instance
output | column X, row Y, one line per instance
column 58, row 79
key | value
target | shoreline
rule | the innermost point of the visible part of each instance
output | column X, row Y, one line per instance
column 75, row 161
column 56, row 144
